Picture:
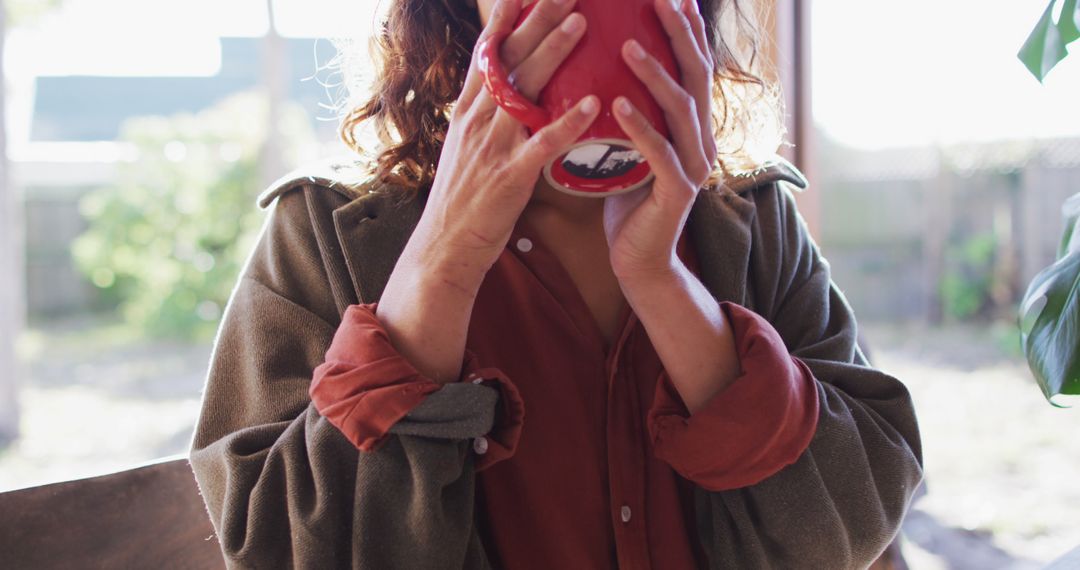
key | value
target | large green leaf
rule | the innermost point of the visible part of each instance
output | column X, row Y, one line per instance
column 1050, row 316
column 1045, row 47
column 1071, row 211
column 1067, row 22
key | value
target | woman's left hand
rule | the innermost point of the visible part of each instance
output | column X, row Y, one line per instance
column 643, row 226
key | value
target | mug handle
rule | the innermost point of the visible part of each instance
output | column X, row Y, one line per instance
column 502, row 90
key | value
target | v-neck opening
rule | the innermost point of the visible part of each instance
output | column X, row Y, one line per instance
column 565, row 291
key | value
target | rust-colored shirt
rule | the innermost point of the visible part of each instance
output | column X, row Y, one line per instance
column 593, row 459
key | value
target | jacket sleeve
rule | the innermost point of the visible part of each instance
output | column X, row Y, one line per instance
column 283, row 486
column 843, row 500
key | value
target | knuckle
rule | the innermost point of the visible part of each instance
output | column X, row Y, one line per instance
column 710, row 60
column 503, row 171
column 491, row 28
column 699, row 171
column 546, row 15
column 684, row 184
column 667, row 152
column 474, row 56
column 545, row 142
column 710, row 164
column 697, row 23
column 457, row 112
column 528, row 88
column 473, row 125
column 650, row 133
column 641, row 124
column 482, row 150
column 498, row 14
column 568, row 122
column 702, row 65
column 688, row 191
column 553, row 48
column 652, row 67
column 511, row 53
column 687, row 104
column 471, row 128
column 685, row 24
column 570, row 128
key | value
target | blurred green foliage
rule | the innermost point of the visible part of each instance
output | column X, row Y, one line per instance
column 966, row 284
column 167, row 240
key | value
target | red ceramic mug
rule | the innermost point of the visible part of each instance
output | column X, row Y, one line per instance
column 603, row 161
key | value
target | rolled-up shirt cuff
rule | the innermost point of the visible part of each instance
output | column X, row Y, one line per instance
column 365, row 386
column 501, row 442
column 756, row 426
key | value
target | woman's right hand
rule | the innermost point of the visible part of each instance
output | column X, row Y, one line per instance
column 487, row 171
column 489, row 165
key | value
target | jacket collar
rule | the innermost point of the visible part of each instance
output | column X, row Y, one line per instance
column 374, row 227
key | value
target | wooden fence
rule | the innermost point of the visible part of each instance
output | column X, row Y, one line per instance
column 908, row 236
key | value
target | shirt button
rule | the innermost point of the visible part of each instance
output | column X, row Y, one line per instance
column 524, row 245
column 625, row 513
column 480, row 445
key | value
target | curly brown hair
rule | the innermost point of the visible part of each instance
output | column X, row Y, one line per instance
column 421, row 56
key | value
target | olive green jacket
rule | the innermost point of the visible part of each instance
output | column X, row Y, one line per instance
column 284, row 488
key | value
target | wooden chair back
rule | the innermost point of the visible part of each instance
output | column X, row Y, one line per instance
column 148, row 517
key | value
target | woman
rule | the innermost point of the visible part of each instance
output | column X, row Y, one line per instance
column 463, row 368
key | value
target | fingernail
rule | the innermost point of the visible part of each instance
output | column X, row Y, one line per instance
column 622, row 106
column 635, row 50
column 677, row 5
column 589, row 105
column 572, row 23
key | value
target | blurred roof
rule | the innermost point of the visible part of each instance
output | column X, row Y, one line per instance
column 925, row 162
column 92, row 108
